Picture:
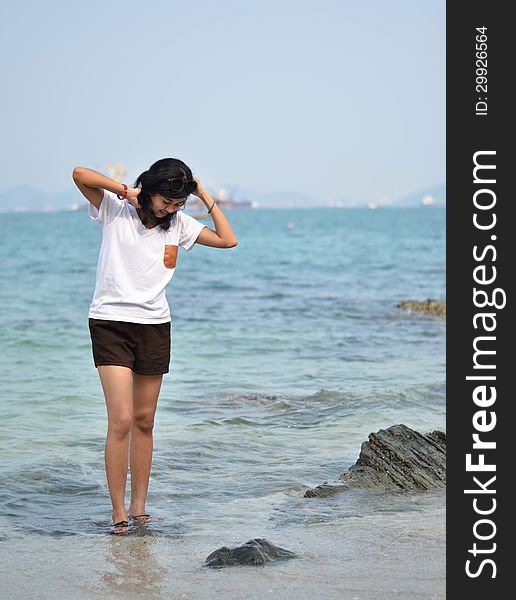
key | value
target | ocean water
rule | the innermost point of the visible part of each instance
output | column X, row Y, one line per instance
column 287, row 351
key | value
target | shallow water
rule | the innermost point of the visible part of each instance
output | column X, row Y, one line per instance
column 393, row 552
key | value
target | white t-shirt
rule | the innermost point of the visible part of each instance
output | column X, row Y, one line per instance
column 135, row 263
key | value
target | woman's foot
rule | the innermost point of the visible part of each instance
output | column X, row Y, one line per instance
column 139, row 515
column 120, row 522
column 141, row 518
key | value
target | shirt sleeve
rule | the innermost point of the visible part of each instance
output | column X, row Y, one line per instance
column 110, row 207
column 189, row 230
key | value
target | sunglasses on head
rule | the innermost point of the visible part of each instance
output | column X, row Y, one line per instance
column 177, row 185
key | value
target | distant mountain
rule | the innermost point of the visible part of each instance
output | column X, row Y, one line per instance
column 26, row 198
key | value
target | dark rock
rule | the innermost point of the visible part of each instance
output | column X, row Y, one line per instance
column 395, row 459
column 439, row 438
column 254, row 552
column 326, row 489
column 430, row 307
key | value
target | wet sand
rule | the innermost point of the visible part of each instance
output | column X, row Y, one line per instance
column 400, row 556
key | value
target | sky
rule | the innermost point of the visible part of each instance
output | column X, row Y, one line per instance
column 343, row 100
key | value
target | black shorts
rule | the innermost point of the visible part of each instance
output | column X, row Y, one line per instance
column 144, row 348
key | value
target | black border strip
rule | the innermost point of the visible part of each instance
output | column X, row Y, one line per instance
column 471, row 130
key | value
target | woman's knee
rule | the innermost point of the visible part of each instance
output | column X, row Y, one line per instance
column 120, row 425
column 144, row 422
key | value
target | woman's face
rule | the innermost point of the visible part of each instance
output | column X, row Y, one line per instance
column 162, row 206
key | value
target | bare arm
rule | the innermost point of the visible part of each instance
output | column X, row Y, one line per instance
column 91, row 183
column 223, row 236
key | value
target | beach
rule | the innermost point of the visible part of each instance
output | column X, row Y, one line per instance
column 372, row 557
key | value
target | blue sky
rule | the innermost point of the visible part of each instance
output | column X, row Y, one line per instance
column 335, row 99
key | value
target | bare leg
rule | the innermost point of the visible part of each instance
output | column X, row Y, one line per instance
column 146, row 390
column 117, row 385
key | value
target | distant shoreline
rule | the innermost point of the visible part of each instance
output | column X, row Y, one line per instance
column 26, row 211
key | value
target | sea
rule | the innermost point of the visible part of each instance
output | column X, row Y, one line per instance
column 288, row 350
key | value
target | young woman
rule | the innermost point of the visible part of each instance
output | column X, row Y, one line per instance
column 129, row 317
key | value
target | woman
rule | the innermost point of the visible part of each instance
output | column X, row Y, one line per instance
column 129, row 317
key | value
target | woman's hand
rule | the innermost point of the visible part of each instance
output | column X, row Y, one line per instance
column 200, row 191
column 132, row 196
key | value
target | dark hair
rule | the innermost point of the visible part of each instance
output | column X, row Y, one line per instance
column 155, row 181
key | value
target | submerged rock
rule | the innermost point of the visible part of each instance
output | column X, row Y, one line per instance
column 430, row 307
column 394, row 459
column 326, row 489
column 254, row 552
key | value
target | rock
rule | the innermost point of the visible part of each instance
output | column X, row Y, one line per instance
column 400, row 458
column 430, row 307
column 254, row 552
column 394, row 459
column 326, row 489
